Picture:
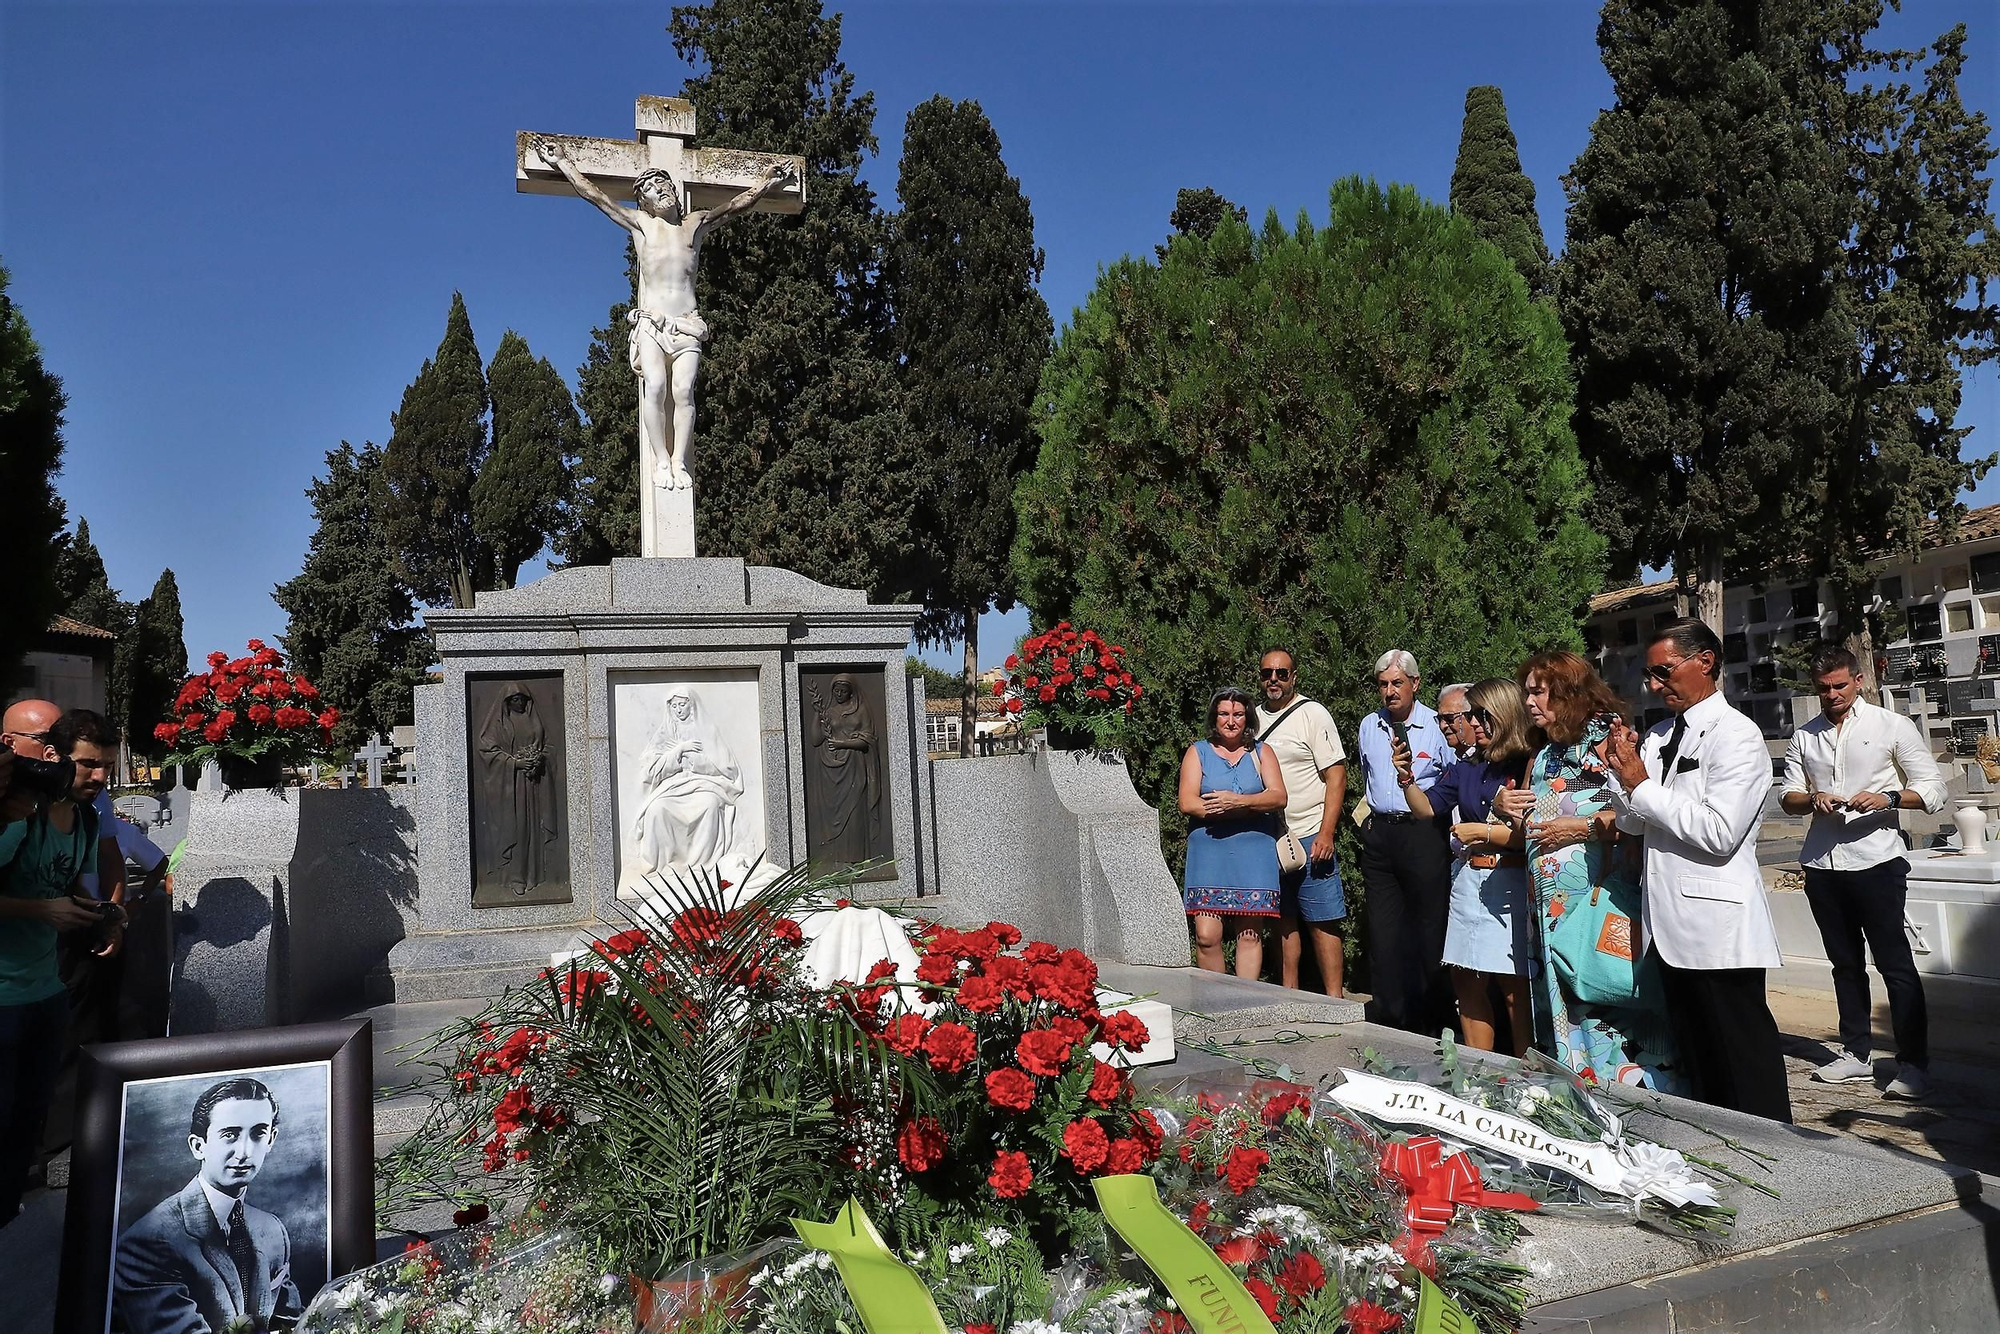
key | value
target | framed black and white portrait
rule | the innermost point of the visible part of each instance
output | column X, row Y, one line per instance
column 217, row 1180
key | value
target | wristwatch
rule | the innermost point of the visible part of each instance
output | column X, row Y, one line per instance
column 1895, row 798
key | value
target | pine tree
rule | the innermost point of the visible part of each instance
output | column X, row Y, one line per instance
column 517, row 498
column 1338, row 438
column 349, row 630
column 31, row 447
column 972, row 332
column 1489, row 188
column 1198, row 213
column 1913, row 280
column 801, row 453
column 159, row 660
column 1697, row 283
column 601, row 503
column 87, row 596
column 437, row 444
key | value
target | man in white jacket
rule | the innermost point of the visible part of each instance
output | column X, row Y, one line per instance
column 1695, row 788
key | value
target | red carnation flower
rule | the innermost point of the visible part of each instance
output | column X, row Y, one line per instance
column 1085, row 1144
column 1301, row 1276
column 1123, row 1030
column 1047, row 694
column 166, row 732
column 258, row 714
column 1283, row 1105
column 623, row 944
column 1011, row 1175
column 1012, row 975
column 470, row 1217
column 1265, row 1298
column 1040, row 951
column 1007, row 934
column 1147, row 1131
column 1010, row 1090
column 1042, row 1052
column 999, row 687
column 217, row 658
column 1239, row 1250
column 1106, row 1083
column 951, row 1047
column 1243, row 1167
column 194, row 721
column 1015, row 706
column 937, row 969
column 920, row 1144
column 981, row 995
column 981, row 1328
column 788, row 931
column 905, row 1033
column 1126, row 1157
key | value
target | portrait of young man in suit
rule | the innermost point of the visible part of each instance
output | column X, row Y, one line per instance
column 204, row 1256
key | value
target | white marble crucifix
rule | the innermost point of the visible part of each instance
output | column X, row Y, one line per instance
column 373, row 754
column 680, row 193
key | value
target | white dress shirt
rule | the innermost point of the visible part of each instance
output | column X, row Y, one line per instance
column 1871, row 750
column 220, row 1204
column 1704, row 904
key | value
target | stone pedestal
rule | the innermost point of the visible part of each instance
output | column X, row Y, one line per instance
column 625, row 638
column 232, row 895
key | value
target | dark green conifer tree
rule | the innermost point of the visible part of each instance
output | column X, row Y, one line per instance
column 349, row 630
column 1199, row 213
column 31, row 446
column 159, row 661
column 437, row 445
column 801, row 456
column 517, row 497
column 1490, row 189
column 1336, row 438
column 601, row 504
column 972, row 332
column 87, row 596
column 1697, row 286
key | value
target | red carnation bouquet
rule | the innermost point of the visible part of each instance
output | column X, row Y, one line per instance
column 1005, row 1108
column 253, row 707
column 1072, row 682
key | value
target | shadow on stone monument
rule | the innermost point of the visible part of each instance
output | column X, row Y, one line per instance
column 228, row 912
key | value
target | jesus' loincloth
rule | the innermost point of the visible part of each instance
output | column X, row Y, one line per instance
column 675, row 335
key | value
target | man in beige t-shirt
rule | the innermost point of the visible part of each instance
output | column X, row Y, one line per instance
column 1301, row 734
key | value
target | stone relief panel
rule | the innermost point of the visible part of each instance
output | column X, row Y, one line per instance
column 846, row 770
column 520, row 790
column 688, row 772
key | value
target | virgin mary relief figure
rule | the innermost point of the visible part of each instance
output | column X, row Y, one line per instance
column 845, row 746
column 518, row 800
column 690, row 784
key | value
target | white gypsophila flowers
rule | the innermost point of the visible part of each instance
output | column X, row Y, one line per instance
column 958, row 1255
column 1034, row 1327
column 1287, row 1220
column 996, row 1237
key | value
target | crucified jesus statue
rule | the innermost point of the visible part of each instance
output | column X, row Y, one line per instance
column 667, row 335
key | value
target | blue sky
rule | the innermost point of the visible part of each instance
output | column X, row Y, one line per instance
column 236, row 228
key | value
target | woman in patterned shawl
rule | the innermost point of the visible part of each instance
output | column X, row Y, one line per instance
column 1577, row 857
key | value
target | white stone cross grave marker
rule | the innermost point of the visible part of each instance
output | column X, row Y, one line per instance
column 374, row 753
column 408, row 773
column 346, row 774
column 713, row 184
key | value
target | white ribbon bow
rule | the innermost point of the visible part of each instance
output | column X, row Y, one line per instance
column 1657, row 1171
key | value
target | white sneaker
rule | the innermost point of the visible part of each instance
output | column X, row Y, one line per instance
column 1910, row 1083
column 1849, row 1069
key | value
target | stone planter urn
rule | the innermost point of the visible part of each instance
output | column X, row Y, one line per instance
column 1971, row 823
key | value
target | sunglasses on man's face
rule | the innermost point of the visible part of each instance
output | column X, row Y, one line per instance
column 1664, row 672
column 1276, row 673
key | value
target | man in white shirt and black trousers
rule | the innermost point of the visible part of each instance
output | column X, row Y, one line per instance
column 1694, row 789
column 1852, row 768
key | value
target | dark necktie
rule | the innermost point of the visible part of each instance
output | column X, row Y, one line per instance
column 1673, row 749
column 244, row 1252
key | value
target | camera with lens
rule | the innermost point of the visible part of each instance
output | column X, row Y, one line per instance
column 110, row 917
column 45, row 780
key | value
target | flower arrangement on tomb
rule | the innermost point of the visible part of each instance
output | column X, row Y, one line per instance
column 1073, row 683
column 252, row 707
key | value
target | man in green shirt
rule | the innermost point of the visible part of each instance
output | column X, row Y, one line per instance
column 43, row 853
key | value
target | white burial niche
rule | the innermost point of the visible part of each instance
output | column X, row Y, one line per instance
column 687, row 773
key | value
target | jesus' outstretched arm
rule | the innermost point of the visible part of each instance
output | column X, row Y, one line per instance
column 557, row 156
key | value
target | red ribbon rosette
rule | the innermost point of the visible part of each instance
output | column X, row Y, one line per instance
column 1434, row 1185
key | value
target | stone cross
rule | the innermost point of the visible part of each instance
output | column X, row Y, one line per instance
column 374, row 753
column 345, row 774
column 408, row 773
column 725, row 180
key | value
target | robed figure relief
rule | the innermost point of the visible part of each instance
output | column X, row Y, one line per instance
column 690, row 785
column 846, row 790
column 520, row 851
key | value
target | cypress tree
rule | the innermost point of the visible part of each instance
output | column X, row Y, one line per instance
column 1336, row 438
column 1199, row 213
column 601, row 504
column 436, row 446
column 87, row 596
column 972, row 332
column 159, row 659
column 1697, row 284
column 31, row 419
column 801, row 452
column 1489, row 188
column 517, row 498
column 349, row 630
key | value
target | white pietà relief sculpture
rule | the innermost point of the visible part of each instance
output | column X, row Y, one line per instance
column 691, row 787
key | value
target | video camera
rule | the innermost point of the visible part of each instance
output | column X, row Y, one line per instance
column 46, row 780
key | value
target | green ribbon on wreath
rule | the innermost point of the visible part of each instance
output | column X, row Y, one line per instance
column 887, row 1293
column 1210, row 1296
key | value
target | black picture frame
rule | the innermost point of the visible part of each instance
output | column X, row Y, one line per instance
column 105, row 1070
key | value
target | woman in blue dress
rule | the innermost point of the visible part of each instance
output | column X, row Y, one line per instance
column 1234, row 797
column 1487, row 940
